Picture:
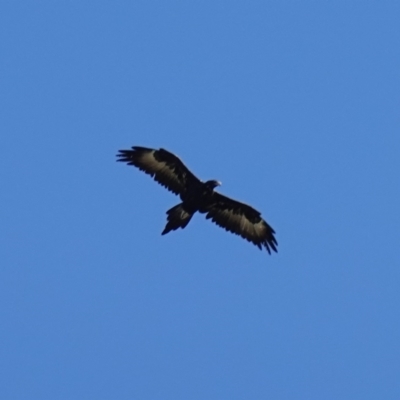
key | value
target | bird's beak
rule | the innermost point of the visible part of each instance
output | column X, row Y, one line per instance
column 219, row 183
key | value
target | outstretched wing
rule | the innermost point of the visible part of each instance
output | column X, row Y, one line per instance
column 165, row 167
column 242, row 220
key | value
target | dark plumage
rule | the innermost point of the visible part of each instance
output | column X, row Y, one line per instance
column 168, row 170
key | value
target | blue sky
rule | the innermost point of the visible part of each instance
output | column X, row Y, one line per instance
column 294, row 106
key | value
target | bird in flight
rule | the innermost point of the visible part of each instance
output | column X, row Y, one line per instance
column 169, row 171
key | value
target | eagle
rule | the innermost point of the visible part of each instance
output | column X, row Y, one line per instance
column 198, row 196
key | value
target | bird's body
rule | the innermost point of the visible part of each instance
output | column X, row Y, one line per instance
column 197, row 196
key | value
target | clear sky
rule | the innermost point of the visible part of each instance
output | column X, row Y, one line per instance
column 294, row 106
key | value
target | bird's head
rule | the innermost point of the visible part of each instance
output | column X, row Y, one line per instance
column 212, row 184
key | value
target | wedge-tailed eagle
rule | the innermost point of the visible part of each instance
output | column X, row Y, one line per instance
column 169, row 171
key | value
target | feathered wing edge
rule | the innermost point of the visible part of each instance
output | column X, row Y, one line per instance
column 164, row 167
column 242, row 220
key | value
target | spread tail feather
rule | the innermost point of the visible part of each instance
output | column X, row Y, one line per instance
column 178, row 217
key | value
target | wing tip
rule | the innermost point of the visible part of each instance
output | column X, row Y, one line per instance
column 271, row 244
